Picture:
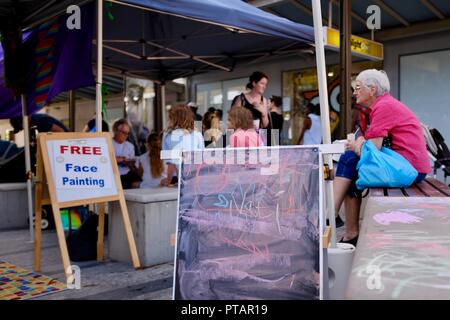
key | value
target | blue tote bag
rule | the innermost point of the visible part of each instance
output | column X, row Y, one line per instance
column 383, row 168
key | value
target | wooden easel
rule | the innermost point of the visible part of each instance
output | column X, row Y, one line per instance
column 46, row 194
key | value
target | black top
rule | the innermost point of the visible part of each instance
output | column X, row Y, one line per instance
column 277, row 121
column 257, row 115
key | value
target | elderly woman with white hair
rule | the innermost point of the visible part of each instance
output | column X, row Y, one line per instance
column 388, row 118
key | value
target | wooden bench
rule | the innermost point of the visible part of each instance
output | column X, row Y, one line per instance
column 404, row 244
column 430, row 187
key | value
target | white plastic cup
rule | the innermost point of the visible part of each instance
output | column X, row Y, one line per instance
column 351, row 137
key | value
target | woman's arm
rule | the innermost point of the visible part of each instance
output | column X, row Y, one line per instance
column 357, row 145
column 56, row 128
column 237, row 101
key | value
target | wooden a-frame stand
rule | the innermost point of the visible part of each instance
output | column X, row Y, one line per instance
column 46, row 194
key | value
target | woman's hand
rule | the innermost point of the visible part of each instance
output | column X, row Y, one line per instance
column 263, row 108
column 260, row 107
column 355, row 146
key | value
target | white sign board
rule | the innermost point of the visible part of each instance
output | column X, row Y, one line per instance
column 81, row 169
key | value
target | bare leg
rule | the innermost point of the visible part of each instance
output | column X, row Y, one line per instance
column 340, row 187
column 352, row 206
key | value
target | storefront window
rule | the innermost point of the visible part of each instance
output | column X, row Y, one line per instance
column 212, row 95
column 424, row 84
column 301, row 87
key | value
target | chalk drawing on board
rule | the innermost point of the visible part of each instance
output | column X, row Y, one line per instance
column 245, row 234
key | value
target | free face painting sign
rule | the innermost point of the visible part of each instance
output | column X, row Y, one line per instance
column 81, row 167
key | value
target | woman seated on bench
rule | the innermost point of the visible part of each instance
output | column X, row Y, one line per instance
column 388, row 117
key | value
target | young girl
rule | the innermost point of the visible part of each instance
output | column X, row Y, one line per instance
column 213, row 134
column 180, row 135
column 245, row 135
column 151, row 168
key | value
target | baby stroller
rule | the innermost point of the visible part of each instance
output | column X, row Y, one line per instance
column 437, row 150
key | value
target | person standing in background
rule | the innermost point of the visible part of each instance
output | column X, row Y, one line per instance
column 254, row 100
column 276, row 120
column 312, row 127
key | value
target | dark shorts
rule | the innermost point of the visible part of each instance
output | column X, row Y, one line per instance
column 346, row 168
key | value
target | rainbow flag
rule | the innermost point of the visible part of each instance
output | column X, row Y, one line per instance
column 57, row 59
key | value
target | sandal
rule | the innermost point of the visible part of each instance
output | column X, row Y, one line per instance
column 352, row 241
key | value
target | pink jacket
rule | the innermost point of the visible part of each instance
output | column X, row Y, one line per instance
column 388, row 115
column 245, row 138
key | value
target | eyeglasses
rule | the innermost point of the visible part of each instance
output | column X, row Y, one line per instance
column 359, row 87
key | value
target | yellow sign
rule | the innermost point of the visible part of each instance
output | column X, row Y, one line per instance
column 360, row 47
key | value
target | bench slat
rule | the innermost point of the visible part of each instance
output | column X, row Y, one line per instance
column 376, row 192
column 442, row 187
column 428, row 189
column 414, row 192
column 394, row 192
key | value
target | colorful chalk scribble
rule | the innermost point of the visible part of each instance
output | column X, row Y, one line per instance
column 247, row 235
column 407, row 250
column 386, row 218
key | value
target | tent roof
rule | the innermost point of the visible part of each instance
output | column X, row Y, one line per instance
column 167, row 39
column 179, row 38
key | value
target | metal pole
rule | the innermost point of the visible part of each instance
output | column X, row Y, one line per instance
column 346, row 68
column 324, row 111
column 29, row 173
column 72, row 110
column 98, row 95
column 330, row 14
column 163, row 107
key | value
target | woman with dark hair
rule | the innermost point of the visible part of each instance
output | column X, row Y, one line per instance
column 254, row 100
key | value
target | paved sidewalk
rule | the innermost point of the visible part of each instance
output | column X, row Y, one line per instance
column 106, row 280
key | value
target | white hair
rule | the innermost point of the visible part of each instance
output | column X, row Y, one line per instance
column 376, row 78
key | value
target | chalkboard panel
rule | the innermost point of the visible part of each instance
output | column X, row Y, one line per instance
column 246, row 232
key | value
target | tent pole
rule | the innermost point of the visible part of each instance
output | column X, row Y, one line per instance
column 163, row 107
column 324, row 111
column 72, row 109
column 98, row 94
column 29, row 173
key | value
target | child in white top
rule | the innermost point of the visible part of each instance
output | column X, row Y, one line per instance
column 181, row 135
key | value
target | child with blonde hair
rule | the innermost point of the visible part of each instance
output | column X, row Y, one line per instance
column 245, row 135
column 181, row 135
